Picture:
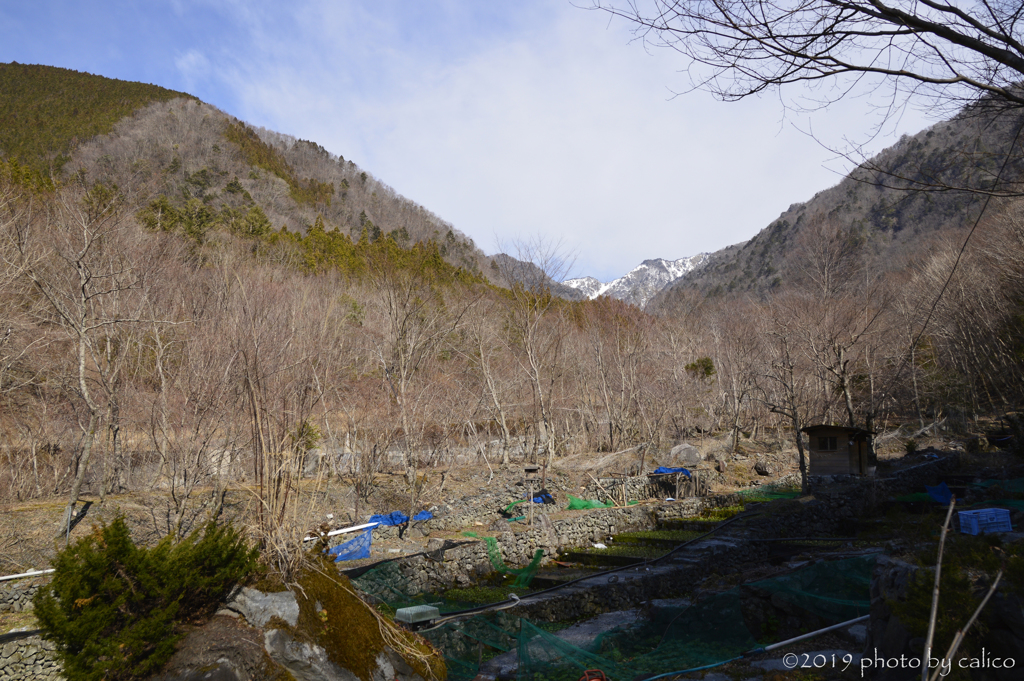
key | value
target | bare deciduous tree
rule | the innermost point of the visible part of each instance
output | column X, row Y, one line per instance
column 528, row 307
column 88, row 271
column 953, row 51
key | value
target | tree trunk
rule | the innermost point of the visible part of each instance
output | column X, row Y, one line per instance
column 804, row 484
column 83, row 464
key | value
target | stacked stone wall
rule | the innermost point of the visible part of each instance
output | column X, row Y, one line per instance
column 28, row 659
column 459, row 566
column 16, row 595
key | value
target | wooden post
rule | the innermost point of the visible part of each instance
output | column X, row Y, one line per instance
column 530, row 502
column 678, row 476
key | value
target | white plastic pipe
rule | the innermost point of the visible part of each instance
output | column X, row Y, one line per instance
column 32, row 573
column 344, row 530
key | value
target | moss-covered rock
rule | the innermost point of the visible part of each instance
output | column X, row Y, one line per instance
column 338, row 636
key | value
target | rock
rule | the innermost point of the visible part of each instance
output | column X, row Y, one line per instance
column 305, row 662
column 257, row 607
column 762, row 468
column 685, row 454
column 309, row 662
column 721, row 465
column 858, row 633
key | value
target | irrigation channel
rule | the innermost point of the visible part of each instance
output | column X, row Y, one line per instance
column 656, row 622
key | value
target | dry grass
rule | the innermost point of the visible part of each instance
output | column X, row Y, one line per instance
column 9, row 621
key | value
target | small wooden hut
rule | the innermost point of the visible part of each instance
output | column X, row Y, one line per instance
column 838, row 450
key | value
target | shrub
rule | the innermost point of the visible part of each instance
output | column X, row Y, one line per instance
column 112, row 606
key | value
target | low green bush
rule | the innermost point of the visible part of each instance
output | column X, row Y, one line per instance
column 112, row 607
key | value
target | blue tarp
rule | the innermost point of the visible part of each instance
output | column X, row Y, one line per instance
column 544, row 498
column 399, row 518
column 940, row 493
column 662, row 469
column 353, row 549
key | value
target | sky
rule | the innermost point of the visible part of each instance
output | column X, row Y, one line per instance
column 514, row 120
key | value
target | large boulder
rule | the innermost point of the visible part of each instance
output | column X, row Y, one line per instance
column 684, row 455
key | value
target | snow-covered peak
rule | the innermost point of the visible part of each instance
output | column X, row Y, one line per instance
column 588, row 286
column 640, row 284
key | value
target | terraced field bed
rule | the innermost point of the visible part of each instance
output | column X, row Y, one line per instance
column 667, row 539
column 688, row 525
column 630, row 548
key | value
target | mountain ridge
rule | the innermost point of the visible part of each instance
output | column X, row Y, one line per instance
column 641, row 283
column 888, row 209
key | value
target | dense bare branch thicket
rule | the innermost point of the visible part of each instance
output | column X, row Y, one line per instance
column 137, row 359
column 158, row 330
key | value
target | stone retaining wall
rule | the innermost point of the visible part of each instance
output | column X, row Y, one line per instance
column 16, row 595
column 637, row 488
column 628, row 589
column 461, row 565
column 29, row 658
column 831, row 511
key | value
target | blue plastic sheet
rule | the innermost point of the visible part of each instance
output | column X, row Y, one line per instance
column 393, row 518
column 940, row 493
column 353, row 549
column 662, row 469
column 399, row 518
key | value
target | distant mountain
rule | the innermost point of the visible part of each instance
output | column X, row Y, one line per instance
column 642, row 283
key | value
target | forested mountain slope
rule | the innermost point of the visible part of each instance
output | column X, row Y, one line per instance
column 199, row 171
column 892, row 205
column 45, row 111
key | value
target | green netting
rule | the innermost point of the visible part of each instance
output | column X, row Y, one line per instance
column 916, row 496
column 1014, row 486
column 465, row 644
column 576, row 504
column 710, row 632
column 523, row 575
column 770, row 492
column 509, row 508
column 386, row 584
column 1008, row 503
column 707, row 633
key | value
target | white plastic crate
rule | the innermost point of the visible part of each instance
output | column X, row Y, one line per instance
column 985, row 520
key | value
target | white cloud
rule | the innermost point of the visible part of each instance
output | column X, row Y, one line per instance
column 508, row 118
column 193, row 66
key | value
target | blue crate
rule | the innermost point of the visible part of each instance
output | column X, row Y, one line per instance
column 985, row 520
